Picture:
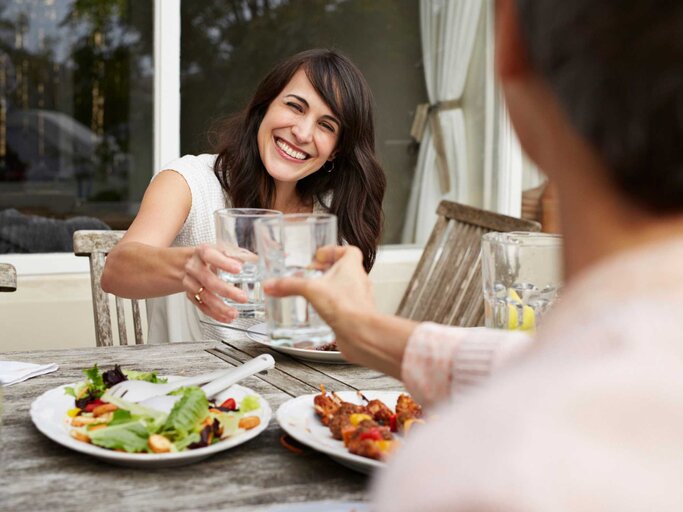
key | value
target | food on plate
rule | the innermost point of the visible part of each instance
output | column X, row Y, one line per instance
column 328, row 347
column 367, row 429
column 116, row 424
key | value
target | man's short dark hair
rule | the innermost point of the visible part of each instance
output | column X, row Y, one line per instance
column 616, row 67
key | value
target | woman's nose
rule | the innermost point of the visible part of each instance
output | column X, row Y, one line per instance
column 303, row 130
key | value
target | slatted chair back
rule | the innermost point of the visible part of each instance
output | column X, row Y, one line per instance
column 8, row 277
column 96, row 244
column 446, row 286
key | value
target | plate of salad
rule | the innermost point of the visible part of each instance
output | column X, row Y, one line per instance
column 82, row 416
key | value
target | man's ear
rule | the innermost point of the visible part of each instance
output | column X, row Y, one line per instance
column 512, row 58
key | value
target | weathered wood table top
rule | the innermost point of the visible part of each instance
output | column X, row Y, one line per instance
column 39, row 474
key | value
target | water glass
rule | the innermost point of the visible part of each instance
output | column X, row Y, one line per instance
column 235, row 237
column 522, row 277
column 287, row 247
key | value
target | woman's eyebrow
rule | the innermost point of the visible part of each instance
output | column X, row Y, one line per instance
column 302, row 100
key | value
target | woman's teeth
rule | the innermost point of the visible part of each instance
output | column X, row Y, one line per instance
column 289, row 150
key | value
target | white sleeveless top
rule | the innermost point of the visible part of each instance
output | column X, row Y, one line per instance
column 174, row 317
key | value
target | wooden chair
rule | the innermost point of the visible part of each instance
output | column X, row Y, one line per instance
column 96, row 245
column 8, row 277
column 446, row 286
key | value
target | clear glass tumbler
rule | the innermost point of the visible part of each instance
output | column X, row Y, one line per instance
column 235, row 237
column 287, row 247
column 522, row 277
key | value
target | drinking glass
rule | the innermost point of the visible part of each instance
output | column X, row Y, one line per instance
column 235, row 238
column 287, row 247
column 522, row 277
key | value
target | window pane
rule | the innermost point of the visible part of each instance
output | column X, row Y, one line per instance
column 228, row 46
column 76, row 114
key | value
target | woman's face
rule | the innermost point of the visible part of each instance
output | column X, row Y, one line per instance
column 299, row 132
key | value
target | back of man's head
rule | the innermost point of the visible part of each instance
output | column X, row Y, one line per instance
column 616, row 67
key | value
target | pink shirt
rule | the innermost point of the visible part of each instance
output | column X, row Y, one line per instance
column 587, row 416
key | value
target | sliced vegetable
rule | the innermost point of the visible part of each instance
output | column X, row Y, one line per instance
column 229, row 404
column 250, row 403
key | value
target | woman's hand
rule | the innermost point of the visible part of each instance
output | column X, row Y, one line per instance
column 205, row 289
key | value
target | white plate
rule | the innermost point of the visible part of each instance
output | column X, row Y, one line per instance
column 48, row 413
column 258, row 333
column 298, row 418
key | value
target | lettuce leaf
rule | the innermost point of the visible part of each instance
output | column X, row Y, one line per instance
column 187, row 413
column 96, row 383
column 131, row 437
column 249, row 403
column 146, row 376
column 230, row 423
column 154, row 416
column 183, row 443
column 120, row 416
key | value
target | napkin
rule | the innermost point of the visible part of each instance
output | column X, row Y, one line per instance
column 12, row 372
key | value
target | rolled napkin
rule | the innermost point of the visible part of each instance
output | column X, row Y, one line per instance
column 12, row 372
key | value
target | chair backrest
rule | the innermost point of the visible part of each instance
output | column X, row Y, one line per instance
column 446, row 286
column 96, row 244
column 8, row 277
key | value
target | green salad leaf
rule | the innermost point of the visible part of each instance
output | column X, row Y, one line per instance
column 187, row 413
column 146, row 376
column 147, row 413
column 230, row 422
column 96, row 383
column 186, row 441
column 120, row 416
column 249, row 403
column 130, row 436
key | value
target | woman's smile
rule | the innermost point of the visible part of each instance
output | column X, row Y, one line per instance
column 290, row 150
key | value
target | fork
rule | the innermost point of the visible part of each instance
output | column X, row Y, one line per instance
column 164, row 403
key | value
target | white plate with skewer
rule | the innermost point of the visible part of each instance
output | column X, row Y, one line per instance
column 297, row 417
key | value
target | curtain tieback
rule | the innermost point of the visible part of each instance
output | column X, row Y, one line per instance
column 425, row 113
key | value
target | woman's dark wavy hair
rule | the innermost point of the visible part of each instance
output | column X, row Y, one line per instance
column 357, row 180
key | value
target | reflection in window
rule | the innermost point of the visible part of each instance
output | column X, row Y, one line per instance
column 76, row 99
column 228, row 46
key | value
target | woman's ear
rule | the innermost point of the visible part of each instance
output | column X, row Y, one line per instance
column 512, row 57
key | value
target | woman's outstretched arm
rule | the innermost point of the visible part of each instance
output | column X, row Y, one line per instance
column 144, row 265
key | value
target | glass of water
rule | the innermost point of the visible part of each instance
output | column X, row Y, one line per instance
column 287, row 247
column 522, row 278
column 235, row 238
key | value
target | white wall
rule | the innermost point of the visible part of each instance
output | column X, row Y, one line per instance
column 52, row 307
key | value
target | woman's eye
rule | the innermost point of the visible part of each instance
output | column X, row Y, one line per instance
column 295, row 106
column 329, row 127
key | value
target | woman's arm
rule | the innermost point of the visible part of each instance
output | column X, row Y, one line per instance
column 144, row 265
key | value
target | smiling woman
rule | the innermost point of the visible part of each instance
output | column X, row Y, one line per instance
column 304, row 143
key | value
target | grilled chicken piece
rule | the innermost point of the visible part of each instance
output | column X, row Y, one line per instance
column 407, row 408
column 326, row 406
column 369, row 439
column 380, row 412
column 342, row 419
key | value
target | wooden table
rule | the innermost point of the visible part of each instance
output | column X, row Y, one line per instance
column 38, row 474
